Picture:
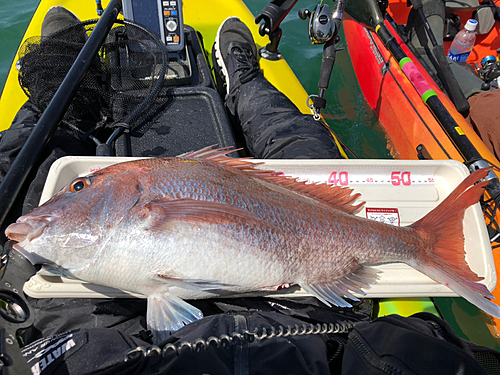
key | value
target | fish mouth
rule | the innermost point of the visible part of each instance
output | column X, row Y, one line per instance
column 27, row 228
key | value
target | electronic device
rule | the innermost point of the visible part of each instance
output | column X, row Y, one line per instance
column 161, row 16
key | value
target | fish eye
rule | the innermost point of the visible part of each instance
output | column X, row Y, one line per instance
column 79, row 184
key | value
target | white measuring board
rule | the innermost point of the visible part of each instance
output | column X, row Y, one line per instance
column 397, row 192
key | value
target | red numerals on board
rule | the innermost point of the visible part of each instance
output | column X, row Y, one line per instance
column 339, row 178
column 398, row 178
column 401, row 178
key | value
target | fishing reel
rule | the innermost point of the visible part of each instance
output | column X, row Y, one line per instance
column 323, row 29
column 16, row 314
column 489, row 72
column 321, row 24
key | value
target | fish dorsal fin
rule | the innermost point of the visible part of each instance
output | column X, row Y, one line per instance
column 333, row 292
column 340, row 198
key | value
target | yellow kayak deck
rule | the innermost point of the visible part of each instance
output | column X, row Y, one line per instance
column 204, row 19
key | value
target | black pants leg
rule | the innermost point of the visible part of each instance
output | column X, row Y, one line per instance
column 274, row 127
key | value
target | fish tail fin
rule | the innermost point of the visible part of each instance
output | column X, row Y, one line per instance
column 442, row 257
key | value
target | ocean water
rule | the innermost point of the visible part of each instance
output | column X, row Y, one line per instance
column 14, row 18
column 347, row 113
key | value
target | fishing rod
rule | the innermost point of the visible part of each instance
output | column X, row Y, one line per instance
column 449, row 80
column 368, row 13
column 53, row 114
column 324, row 26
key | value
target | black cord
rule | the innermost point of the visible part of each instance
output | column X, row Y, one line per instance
column 156, row 88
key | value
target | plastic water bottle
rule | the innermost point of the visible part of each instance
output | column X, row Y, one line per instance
column 464, row 42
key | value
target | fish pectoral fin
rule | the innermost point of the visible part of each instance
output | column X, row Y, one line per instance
column 195, row 284
column 163, row 211
column 167, row 313
column 333, row 292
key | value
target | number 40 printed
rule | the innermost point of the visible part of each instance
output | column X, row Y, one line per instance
column 339, row 178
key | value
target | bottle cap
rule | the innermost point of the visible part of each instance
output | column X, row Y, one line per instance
column 471, row 25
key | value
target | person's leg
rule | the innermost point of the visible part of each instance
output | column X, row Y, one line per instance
column 272, row 125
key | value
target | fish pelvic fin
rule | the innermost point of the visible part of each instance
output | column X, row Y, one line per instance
column 442, row 257
column 167, row 313
column 333, row 293
column 338, row 197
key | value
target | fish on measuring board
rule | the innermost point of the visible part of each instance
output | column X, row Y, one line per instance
column 204, row 224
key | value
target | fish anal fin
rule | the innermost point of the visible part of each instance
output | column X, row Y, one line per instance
column 340, row 198
column 332, row 293
column 167, row 313
column 162, row 212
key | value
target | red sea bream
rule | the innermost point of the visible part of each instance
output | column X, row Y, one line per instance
column 205, row 224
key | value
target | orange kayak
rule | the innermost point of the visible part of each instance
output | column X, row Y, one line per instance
column 412, row 129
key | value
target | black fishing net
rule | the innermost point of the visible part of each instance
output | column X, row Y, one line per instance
column 118, row 89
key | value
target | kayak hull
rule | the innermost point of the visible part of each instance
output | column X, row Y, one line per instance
column 411, row 129
column 406, row 119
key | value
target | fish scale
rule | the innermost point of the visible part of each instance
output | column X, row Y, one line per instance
column 206, row 225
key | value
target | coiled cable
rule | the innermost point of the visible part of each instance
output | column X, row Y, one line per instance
column 239, row 338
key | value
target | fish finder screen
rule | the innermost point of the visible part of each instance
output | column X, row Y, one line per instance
column 146, row 13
